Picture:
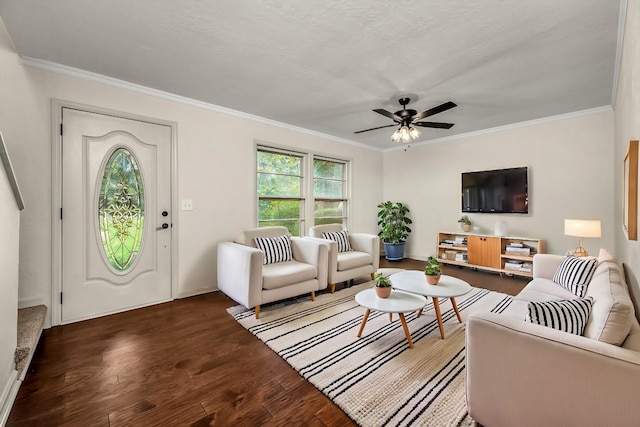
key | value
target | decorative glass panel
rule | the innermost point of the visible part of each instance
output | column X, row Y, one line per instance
column 121, row 209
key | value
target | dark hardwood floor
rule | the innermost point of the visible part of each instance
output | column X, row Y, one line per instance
column 182, row 363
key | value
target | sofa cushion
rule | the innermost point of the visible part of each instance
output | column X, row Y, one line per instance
column 341, row 237
column 274, row 249
column 612, row 312
column 353, row 259
column 540, row 289
column 574, row 274
column 564, row 315
column 283, row 274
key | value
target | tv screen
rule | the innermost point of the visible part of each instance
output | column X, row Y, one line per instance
column 495, row 191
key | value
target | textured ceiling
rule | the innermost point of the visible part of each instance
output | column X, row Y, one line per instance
column 324, row 65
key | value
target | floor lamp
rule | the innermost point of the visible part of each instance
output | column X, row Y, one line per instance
column 582, row 228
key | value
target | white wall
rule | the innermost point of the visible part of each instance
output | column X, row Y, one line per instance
column 627, row 127
column 570, row 176
column 9, row 226
column 215, row 168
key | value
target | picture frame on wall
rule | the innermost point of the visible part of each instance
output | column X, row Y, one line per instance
column 630, row 192
column 11, row 176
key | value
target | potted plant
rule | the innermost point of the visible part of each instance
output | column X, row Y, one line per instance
column 393, row 222
column 382, row 285
column 465, row 223
column 432, row 271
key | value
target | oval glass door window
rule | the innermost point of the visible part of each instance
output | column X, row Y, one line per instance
column 121, row 209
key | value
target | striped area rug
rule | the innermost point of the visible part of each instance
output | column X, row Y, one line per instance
column 376, row 379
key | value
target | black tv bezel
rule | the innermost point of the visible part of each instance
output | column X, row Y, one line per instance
column 524, row 212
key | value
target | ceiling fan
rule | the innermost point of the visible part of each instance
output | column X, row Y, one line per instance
column 406, row 119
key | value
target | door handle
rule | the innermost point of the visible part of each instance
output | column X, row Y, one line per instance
column 164, row 226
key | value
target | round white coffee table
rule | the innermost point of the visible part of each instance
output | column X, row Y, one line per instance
column 398, row 302
column 448, row 287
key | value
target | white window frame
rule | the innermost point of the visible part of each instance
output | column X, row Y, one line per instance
column 307, row 197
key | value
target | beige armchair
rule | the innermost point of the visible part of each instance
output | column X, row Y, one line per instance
column 244, row 278
column 362, row 260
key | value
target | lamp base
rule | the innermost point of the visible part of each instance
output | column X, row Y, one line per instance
column 579, row 252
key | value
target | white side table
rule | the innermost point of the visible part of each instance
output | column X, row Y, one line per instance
column 398, row 302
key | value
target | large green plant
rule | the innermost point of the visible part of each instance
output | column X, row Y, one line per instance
column 393, row 222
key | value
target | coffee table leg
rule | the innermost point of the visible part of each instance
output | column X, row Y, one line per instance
column 364, row 322
column 406, row 329
column 390, row 317
column 455, row 308
column 436, row 305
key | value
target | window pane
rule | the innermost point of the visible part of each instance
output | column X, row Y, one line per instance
column 121, row 209
column 324, row 188
column 278, row 209
column 279, row 185
column 328, row 212
column 279, row 163
column 327, row 169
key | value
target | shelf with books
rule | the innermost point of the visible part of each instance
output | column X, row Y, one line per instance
column 504, row 255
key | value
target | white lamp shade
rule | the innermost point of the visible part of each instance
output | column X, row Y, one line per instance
column 582, row 227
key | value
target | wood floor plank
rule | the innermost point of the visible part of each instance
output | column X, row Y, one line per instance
column 185, row 362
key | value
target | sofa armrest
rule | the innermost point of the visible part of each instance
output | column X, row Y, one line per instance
column 369, row 243
column 312, row 251
column 240, row 273
column 524, row 374
column 545, row 265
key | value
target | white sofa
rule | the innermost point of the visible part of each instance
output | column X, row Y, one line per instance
column 525, row 374
column 243, row 277
column 362, row 260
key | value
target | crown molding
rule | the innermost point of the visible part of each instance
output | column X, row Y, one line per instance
column 133, row 87
column 587, row 112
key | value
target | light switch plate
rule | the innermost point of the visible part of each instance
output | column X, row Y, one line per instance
column 187, row 205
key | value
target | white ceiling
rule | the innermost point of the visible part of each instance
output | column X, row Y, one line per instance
column 324, row 65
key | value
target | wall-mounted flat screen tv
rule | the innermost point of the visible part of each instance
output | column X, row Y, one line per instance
column 495, row 191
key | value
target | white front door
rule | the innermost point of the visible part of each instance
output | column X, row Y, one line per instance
column 116, row 216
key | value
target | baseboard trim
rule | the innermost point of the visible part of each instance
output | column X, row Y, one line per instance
column 9, row 396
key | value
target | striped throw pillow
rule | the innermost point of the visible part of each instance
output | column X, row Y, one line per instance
column 565, row 315
column 574, row 274
column 342, row 237
column 274, row 249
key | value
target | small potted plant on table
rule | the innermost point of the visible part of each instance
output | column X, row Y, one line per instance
column 432, row 271
column 465, row 223
column 382, row 286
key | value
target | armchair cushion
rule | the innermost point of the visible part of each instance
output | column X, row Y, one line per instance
column 283, row 274
column 341, row 237
column 274, row 249
column 575, row 274
column 565, row 315
column 353, row 259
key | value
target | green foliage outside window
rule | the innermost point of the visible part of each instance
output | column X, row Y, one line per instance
column 329, row 192
column 121, row 209
column 279, row 183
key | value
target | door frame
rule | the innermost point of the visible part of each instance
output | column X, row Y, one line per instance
column 56, row 195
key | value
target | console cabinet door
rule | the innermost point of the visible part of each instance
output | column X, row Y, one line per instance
column 484, row 251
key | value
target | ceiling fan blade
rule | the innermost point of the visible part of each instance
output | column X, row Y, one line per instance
column 379, row 127
column 438, row 125
column 435, row 110
column 386, row 113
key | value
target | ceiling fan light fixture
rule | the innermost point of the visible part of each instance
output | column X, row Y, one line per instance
column 396, row 135
column 415, row 133
column 404, row 134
